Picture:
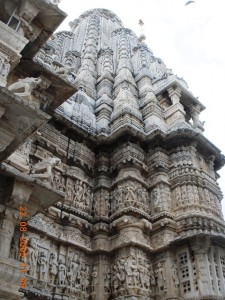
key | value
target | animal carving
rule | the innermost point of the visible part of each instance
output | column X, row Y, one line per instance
column 63, row 72
column 24, row 87
column 44, row 168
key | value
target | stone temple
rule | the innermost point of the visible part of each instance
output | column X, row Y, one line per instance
column 108, row 187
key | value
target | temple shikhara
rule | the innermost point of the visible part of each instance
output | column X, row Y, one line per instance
column 108, row 187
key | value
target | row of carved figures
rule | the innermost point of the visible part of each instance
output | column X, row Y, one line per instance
column 75, row 274
column 130, row 270
column 49, row 267
column 130, row 193
column 133, row 194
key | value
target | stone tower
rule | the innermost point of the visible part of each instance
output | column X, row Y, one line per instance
column 119, row 183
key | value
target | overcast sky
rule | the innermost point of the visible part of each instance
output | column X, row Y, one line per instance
column 189, row 39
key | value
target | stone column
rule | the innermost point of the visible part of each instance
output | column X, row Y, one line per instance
column 10, row 215
column 10, row 273
column 220, row 272
column 174, row 95
column 100, row 291
column 174, row 114
column 200, row 246
column 197, row 124
column 172, row 277
column 8, row 219
column 98, row 273
column 152, row 113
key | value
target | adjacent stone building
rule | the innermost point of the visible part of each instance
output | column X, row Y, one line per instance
column 102, row 153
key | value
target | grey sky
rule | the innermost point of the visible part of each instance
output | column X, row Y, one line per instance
column 189, row 39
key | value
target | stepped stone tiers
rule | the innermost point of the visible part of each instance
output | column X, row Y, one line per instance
column 103, row 146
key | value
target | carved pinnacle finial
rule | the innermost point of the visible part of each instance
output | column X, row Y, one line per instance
column 189, row 2
column 142, row 36
column 141, row 23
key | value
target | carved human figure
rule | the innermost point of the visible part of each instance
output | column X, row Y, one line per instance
column 175, row 277
column 156, row 199
column 62, row 270
column 53, row 267
column 146, row 277
column 130, row 193
column 142, row 271
column 101, row 203
column 160, row 277
column 94, row 276
column 184, row 195
column 165, row 198
column 69, row 190
column 24, row 87
column 139, row 194
column 89, row 197
column 203, row 278
column 118, row 195
column 207, row 196
column 128, row 272
column 4, row 68
column 121, row 272
column 97, row 203
column 189, row 194
column 32, row 257
column 152, row 277
column 73, row 271
column 56, row 180
column 115, row 279
column 201, row 195
column 83, row 275
column 107, row 204
column 135, row 276
column 177, row 196
column 79, row 191
column 144, row 196
column 107, row 277
column 211, row 165
column 195, row 196
column 87, row 278
column 43, row 266
column 84, row 193
column 14, row 249
column 21, row 155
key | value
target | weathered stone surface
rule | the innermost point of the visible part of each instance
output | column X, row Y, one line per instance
column 19, row 119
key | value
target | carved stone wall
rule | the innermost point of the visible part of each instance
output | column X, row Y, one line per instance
column 120, row 187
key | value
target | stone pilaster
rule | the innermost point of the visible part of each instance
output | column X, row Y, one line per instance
column 197, row 124
column 152, row 113
column 172, row 278
column 200, row 247
column 8, row 219
column 9, row 269
column 174, row 114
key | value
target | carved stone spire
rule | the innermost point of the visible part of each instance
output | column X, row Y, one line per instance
column 86, row 77
column 125, row 184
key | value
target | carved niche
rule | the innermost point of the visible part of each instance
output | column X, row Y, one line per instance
column 132, row 274
column 53, row 267
column 129, row 193
column 101, row 204
column 79, row 190
column 161, row 198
